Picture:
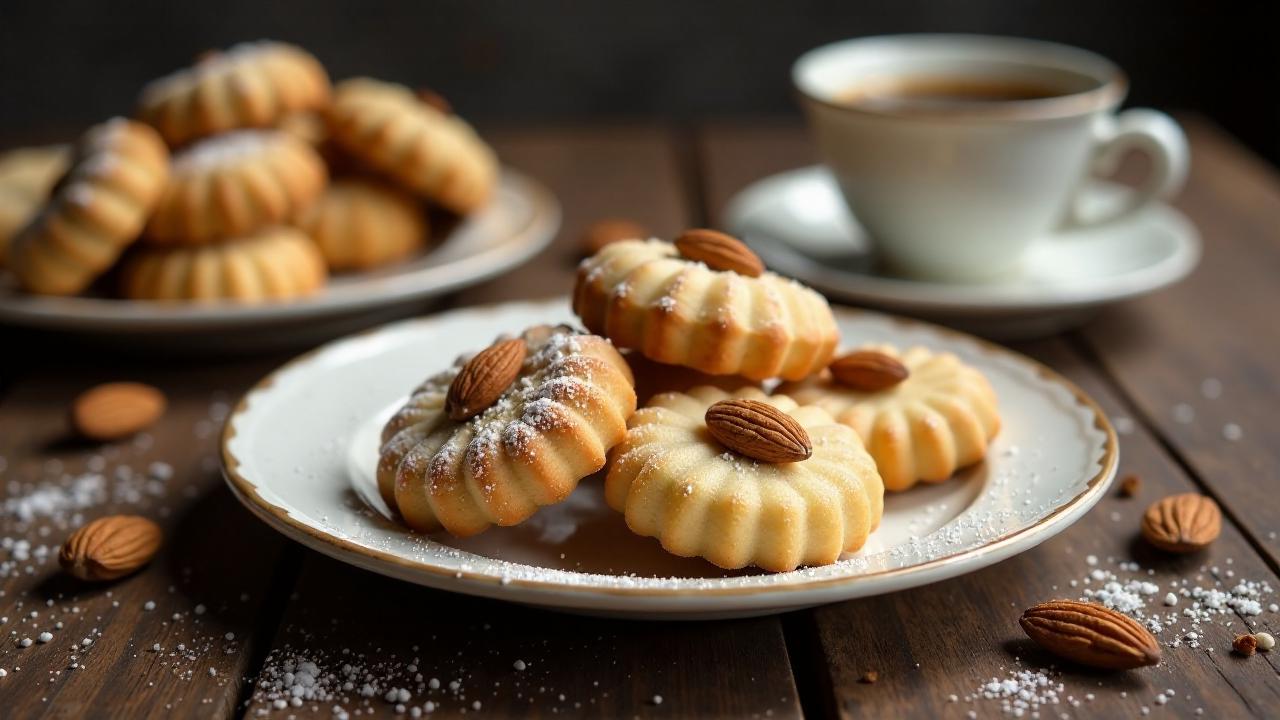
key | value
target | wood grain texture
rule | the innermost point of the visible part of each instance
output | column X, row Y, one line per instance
column 1201, row 358
column 597, row 172
column 947, row 639
column 1155, row 353
column 572, row 666
column 212, row 576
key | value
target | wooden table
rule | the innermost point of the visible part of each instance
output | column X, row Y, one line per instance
column 223, row 574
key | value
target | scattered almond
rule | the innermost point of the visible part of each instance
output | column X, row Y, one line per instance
column 110, row 547
column 1090, row 634
column 116, row 410
column 484, row 378
column 868, row 370
column 759, row 431
column 719, row 251
column 608, row 231
column 429, row 97
column 1245, row 645
column 1182, row 523
column 1130, row 485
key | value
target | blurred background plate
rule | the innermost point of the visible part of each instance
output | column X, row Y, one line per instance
column 518, row 223
column 801, row 227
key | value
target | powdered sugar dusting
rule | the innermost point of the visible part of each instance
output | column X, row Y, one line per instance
column 227, row 149
column 1212, row 594
column 555, row 374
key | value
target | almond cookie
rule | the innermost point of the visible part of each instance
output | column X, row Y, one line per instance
column 308, row 127
column 253, row 84
column 33, row 169
column 649, row 296
column 277, row 263
column 432, row 153
column 27, row 175
column 117, row 174
column 545, row 408
column 231, row 185
column 925, row 427
column 675, row 481
column 360, row 223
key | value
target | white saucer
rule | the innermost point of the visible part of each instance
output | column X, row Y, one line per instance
column 301, row 448
column 801, row 227
column 518, row 222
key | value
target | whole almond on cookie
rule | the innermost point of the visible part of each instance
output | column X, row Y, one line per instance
column 116, row 410
column 1090, row 634
column 719, row 251
column 610, row 230
column 1182, row 523
column 759, row 431
column 868, row 370
column 484, row 378
column 110, row 547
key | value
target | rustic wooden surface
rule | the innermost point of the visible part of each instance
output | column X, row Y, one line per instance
column 225, row 575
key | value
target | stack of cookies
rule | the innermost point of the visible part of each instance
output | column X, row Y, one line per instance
column 246, row 177
column 755, row 443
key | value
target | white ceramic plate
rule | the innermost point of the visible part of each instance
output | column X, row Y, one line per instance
column 801, row 226
column 520, row 220
column 301, row 447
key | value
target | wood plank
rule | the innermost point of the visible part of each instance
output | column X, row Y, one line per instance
column 1200, row 359
column 607, row 172
column 212, row 577
column 403, row 636
column 736, row 154
column 930, row 643
column 602, row 668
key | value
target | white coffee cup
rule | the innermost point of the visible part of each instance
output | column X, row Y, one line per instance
column 957, row 191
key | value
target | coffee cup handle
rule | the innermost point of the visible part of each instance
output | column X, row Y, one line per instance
column 1148, row 131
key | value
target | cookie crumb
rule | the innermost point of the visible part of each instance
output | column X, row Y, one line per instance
column 870, row 677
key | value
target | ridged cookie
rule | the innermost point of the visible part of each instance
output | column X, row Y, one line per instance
column 231, row 185
column 361, row 223
column 674, row 482
column 643, row 295
column 552, row 427
column 941, row 418
column 388, row 128
column 27, row 175
column 98, row 209
column 253, row 84
column 277, row 263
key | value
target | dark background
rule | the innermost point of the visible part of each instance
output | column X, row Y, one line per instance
column 67, row 64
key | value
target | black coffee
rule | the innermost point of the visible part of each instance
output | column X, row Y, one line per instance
column 942, row 92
